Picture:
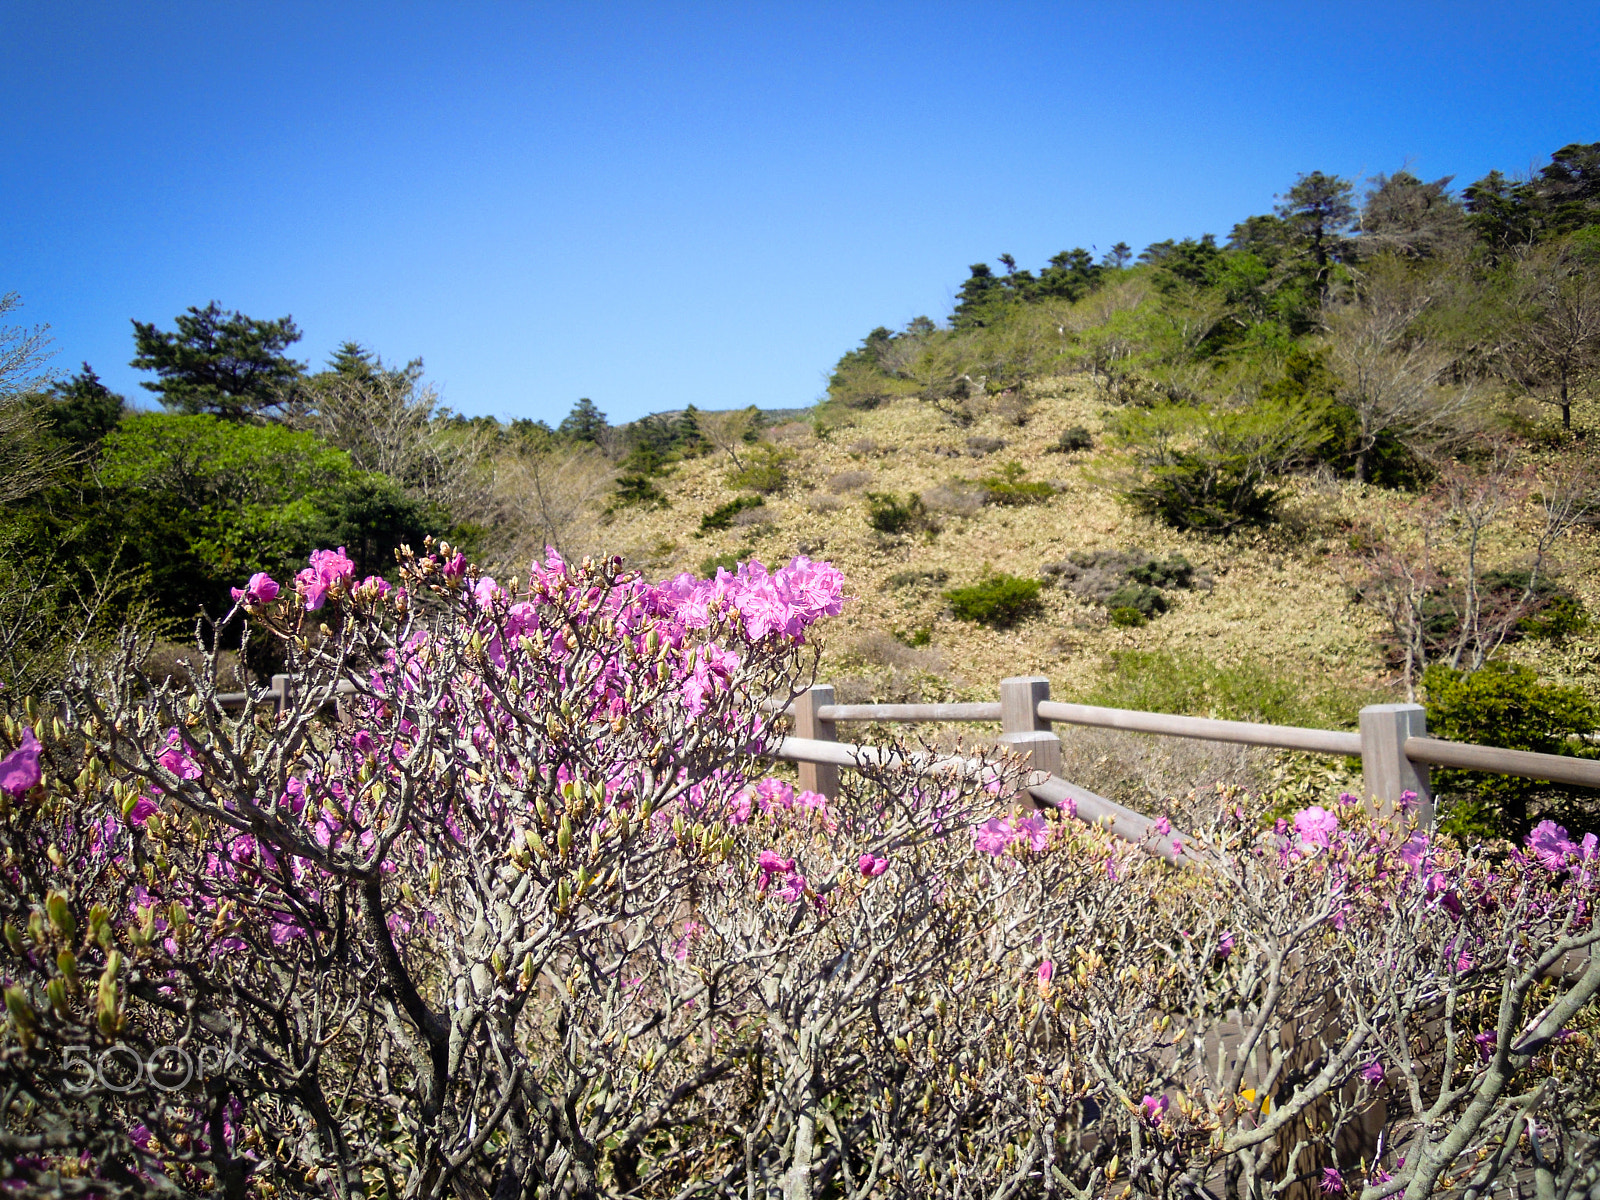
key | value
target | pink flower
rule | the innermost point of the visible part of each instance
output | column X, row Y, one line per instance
column 454, row 568
column 1035, row 830
column 1486, row 1043
column 1225, row 945
column 1591, row 847
column 1315, row 826
column 19, row 770
column 143, row 808
column 1162, row 826
column 1154, row 1108
column 794, row 887
column 363, row 744
column 771, row 864
column 1408, row 801
column 1332, row 1181
column 1414, row 850
column 1047, row 971
column 1373, row 1073
column 872, row 866
column 993, row 838
column 261, row 589
column 328, row 570
column 175, row 758
column 1177, row 845
column 1551, row 845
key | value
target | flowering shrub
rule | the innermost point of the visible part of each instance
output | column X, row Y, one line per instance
column 516, row 913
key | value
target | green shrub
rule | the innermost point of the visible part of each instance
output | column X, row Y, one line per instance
column 635, row 490
column 1009, row 488
column 722, row 516
column 917, row 639
column 1505, row 704
column 998, row 601
column 1128, row 617
column 1072, row 440
column 765, row 469
column 1143, row 599
column 1209, row 469
column 1561, row 615
column 708, row 566
column 1175, row 572
column 887, row 514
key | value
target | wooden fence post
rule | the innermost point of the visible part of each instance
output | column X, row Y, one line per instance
column 1385, row 769
column 282, row 691
column 822, row 778
column 1022, row 726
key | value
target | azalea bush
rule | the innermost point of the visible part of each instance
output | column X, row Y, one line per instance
column 503, row 902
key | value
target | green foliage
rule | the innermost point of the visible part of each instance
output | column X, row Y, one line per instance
column 1506, row 704
column 1173, row 572
column 81, row 411
column 998, row 600
column 722, row 516
column 917, row 639
column 1128, row 617
column 217, row 362
column 888, row 514
column 710, row 565
column 1194, row 685
column 1209, row 470
column 635, row 489
column 765, row 470
column 1007, row 487
column 1072, row 440
column 585, row 423
column 1140, row 598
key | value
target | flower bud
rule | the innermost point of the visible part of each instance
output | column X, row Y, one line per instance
column 564, row 836
column 22, row 1016
column 56, row 989
column 106, row 1002
column 67, row 964
column 61, row 915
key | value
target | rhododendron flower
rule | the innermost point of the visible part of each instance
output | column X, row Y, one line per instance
column 1332, row 1181
column 175, row 758
column 1225, row 945
column 1047, row 972
column 1486, row 1043
column 454, row 568
column 328, row 569
column 1373, row 1072
column 143, row 808
column 770, row 864
column 19, row 770
column 1154, row 1108
column 361, row 742
column 1408, row 801
column 1414, row 850
column 1315, row 826
column 872, row 866
column 1035, row 830
column 794, row 887
column 262, row 589
column 1162, row 826
column 1551, row 845
column 994, row 837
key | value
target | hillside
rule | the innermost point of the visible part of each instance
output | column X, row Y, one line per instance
column 1278, row 618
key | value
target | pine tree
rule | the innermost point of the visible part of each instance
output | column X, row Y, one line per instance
column 585, row 423
column 220, row 362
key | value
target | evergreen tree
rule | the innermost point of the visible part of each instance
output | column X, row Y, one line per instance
column 585, row 423
column 82, row 410
column 219, row 362
column 1118, row 257
column 1403, row 215
column 977, row 298
column 1318, row 214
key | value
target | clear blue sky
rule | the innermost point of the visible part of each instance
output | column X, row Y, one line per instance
column 656, row 204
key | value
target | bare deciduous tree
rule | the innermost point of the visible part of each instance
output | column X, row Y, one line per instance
column 1553, row 345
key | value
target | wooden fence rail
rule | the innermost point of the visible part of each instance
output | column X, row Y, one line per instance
column 1392, row 742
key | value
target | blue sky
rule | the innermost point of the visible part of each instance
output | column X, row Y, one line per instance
column 654, row 205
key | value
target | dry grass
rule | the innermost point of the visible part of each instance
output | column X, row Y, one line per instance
column 1280, row 595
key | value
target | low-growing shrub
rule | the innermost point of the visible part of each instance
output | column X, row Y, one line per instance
column 722, row 516
column 1143, row 599
column 1128, row 616
column 1507, row 704
column 1008, row 487
column 1072, row 440
column 710, row 566
column 887, row 513
column 1126, row 578
column 765, row 469
column 998, row 601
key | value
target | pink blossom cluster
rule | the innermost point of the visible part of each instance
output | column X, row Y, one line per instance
column 773, row 866
column 329, row 570
column 999, row 834
column 782, row 602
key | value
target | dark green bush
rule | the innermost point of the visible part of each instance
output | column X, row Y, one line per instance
column 722, row 516
column 1505, row 704
column 1008, row 487
column 1175, row 572
column 888, row 514
column 766, row 469
column 1072, row 440
column 998, row 601
column 1147, row 601
column 1128, row 617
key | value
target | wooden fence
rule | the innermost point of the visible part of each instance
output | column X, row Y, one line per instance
column 1392, row 743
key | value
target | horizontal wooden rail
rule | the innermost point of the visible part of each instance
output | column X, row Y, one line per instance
column 909, row 712
column 1250, row 733
column 844, row 754
column 1557, row 768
